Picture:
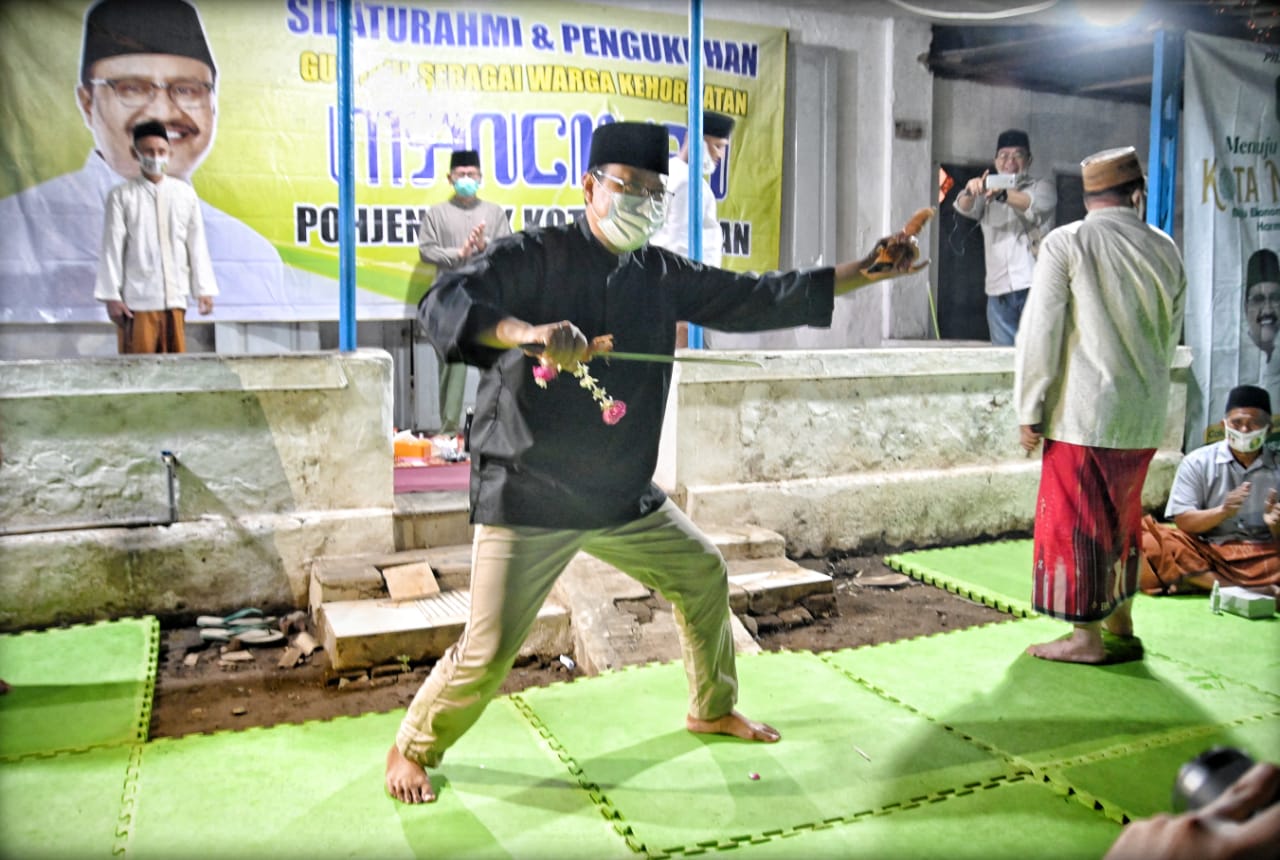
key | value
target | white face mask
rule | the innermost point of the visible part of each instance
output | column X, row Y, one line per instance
column 632, row 219
column 708, row 163
column 153, row 165
column 1245, row 442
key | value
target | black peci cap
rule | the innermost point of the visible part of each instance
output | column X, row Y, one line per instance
column 716, row 124
column 1249, row 397
column 150, row 128
column 464, row 158
column 1013, row 137
column 114, row 28
column 1263, row 267
column 643, row 145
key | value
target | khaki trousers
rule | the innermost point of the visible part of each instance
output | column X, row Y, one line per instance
column 513, row 570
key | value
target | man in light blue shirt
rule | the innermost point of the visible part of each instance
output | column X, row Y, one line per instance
column 1224, row 505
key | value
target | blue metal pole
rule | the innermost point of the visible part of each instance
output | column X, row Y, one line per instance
column 346, row 187
column 695, row 147
column 1162, row 155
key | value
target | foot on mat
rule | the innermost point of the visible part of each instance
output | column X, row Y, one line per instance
column 1121, row 649
column 244, row 635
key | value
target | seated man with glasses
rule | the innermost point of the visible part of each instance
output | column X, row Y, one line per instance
column 1223, row 503
column 556, row 469
column 141, row 60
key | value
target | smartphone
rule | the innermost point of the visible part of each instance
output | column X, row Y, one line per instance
column 1001, row 181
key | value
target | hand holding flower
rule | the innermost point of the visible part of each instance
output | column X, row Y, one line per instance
column 611, row 411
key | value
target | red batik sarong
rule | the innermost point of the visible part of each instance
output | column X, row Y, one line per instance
column 1088, row 529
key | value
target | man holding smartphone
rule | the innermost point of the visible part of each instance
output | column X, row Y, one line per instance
column 1015, row 211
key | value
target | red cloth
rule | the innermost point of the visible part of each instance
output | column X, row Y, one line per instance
column 1088, row 529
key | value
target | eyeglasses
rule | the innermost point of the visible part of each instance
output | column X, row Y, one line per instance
column 139, row 92
column 657, row 195
column 1257, row 300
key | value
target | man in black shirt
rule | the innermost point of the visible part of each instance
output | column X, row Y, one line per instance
column 556, row 470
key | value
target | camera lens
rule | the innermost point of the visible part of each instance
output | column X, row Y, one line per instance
column 1201, row 780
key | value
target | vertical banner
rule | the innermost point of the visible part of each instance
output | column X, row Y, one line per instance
column 247, row 90
column 1231, row 221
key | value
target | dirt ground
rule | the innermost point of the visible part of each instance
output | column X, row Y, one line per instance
column 874, row 605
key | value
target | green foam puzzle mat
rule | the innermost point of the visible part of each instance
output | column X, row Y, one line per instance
column 845, row 750
column 1038, row 710
column 996, row 574
column 1018, row 818
column 954, row 745
column 316, row 790
column 66, row 805
column 78, row 687
column 1135, row 783
column 1221, row 646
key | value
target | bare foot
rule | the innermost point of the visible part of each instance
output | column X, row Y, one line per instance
column 1080, row 646
column 1120, row 622
column 733, row 723
column 407, row 781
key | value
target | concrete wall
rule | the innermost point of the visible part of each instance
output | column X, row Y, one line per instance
column 278, row 460
column 866, row 449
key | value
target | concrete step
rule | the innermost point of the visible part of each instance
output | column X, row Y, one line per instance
column 618, row 622
column 424, row 520
column 746, row 541
column 359, row 577
column 360, row 633
column 762, row 586
column 606, row 618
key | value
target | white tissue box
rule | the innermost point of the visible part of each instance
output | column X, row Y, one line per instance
column 1245, row 603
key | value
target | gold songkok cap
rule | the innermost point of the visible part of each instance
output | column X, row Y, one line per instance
column 1110, row 168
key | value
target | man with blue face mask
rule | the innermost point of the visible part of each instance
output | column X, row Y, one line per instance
column 556, row 469
column 452, row 233
column 1224, row 504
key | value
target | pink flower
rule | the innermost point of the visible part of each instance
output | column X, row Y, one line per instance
column 613, row 413
column 544, row 373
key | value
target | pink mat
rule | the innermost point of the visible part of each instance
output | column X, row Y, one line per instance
column 427, row 479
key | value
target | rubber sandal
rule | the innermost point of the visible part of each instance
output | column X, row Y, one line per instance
column 257, row 636
column 248, row 617
column 244, row 635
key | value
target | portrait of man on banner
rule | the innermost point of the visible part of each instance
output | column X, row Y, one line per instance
column 1262, row 314
column 141, row 60
column 1231, row 223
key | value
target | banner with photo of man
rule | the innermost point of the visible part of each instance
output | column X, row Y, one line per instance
column 1231, row 220
column 247, row 90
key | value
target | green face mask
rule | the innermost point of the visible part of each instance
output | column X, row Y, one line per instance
column 466, row 186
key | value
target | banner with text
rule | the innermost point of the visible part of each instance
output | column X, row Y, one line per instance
column 256, row 134
column 1231, row 221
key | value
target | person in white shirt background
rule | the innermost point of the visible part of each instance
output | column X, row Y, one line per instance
column 717, row 128
column 154, row 257
column 1014, row 218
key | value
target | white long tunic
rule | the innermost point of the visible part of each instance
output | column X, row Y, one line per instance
column 133, row 266
column 674, row 233
column 1099, row 331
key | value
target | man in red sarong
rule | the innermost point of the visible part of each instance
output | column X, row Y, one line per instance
column 1224, row 504
column 1091, row 379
